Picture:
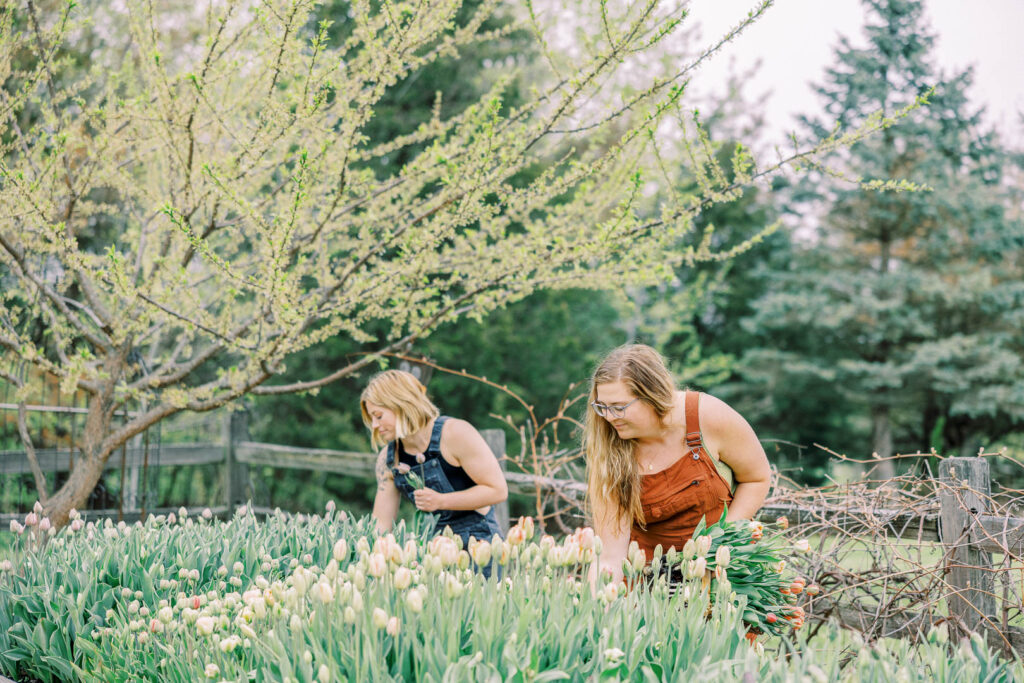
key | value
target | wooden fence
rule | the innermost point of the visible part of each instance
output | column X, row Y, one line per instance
column 969, row 535
column 236, row 453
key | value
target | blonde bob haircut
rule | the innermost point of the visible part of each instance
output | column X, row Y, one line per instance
column 401, row 393
column 613, row 476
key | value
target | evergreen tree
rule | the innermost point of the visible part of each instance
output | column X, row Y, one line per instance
column 903, row 312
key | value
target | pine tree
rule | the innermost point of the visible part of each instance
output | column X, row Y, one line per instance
column 904, row 310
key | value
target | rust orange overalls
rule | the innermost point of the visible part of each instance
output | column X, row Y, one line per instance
column 675, row 499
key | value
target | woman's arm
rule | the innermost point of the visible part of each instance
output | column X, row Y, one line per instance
column 614, row 535
column 387, row 498
column 463, row 443
column 733, row 439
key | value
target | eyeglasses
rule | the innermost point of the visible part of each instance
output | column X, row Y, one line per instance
column 612, row 411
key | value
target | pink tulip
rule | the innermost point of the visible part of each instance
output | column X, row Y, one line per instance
column 586, row 538
column 516, row 535
column 403, row 578
column 394, row 552
column 377, row 565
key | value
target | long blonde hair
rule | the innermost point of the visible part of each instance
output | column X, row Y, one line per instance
column 613, row 475
column 401, row 393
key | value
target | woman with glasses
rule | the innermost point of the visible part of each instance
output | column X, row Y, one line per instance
column 441, row 464
column 659, row 460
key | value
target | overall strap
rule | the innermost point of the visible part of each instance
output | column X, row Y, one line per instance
column 695, row 442
column 391, row 454
column 435, row 436
column 693, row 436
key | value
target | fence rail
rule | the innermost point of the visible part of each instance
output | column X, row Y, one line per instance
column 994, row 534
column 967, row 533
column 318, row 459
column 62, row 459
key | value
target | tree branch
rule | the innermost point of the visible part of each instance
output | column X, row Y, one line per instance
column 137, row 426
column 17, row 131
column 30, row 453
column 57, row 299
column 192, row 322
column 404, row 341
column 657, row 87
column 156, row 380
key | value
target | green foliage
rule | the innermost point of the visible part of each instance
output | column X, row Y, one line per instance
column 902, row 313
column 193, row 200
column 537, row 347
column 755, row 571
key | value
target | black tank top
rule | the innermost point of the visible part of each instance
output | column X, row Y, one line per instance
column 458, row 477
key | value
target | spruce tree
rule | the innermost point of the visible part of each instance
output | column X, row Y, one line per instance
column 904, row 310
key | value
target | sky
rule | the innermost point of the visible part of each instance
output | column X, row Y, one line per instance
column 796, row 40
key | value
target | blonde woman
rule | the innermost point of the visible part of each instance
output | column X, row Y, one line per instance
column 659, row 460
column 441, row 464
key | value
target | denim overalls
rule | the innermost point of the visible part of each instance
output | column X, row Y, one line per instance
column 464, row 523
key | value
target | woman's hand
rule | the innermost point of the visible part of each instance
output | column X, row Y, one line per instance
column 613, row 530
column 428, row 500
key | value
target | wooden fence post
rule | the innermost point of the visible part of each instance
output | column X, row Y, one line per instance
column 495, row 438
column 236, row 474
column 964, row 495
column 130, row 493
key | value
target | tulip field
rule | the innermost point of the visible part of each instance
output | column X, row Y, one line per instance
column 323, row 598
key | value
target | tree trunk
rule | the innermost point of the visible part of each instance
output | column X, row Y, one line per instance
column 929, row 419
column 881, row 441
column 95, row 451
column 75, row 491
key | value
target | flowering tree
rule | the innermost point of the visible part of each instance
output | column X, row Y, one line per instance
column 200, row 200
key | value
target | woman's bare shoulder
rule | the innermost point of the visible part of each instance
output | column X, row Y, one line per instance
column 457, row 430
column 717, row 416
